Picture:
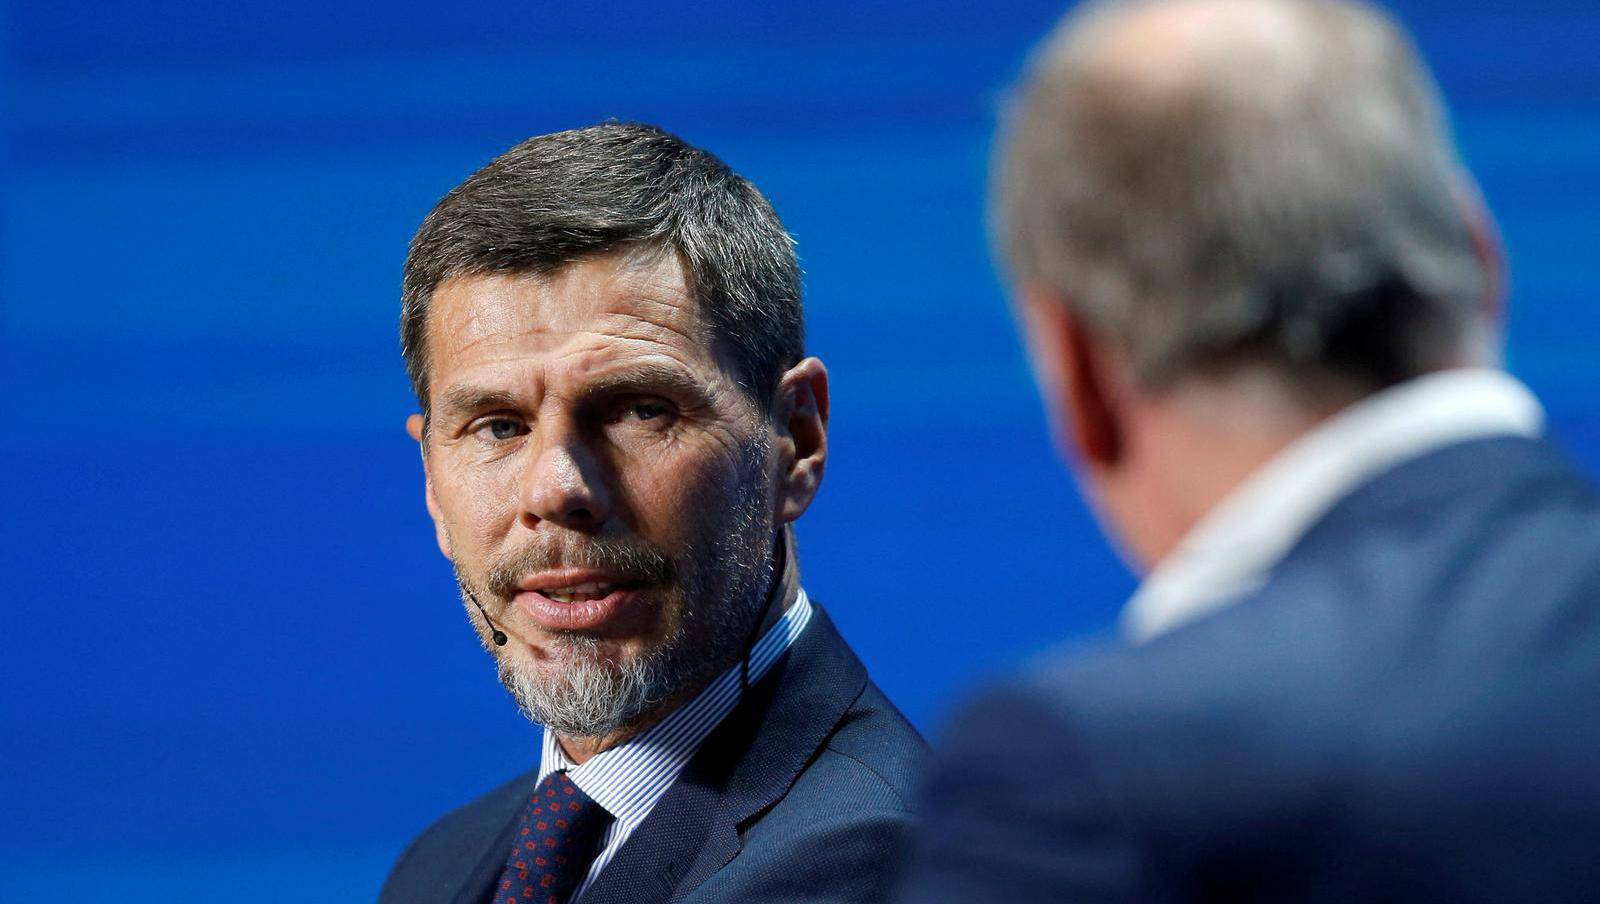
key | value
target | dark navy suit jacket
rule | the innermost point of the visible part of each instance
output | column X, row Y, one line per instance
column 1409, row 710
column 800, row 795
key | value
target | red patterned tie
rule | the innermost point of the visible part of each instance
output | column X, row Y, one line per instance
column 556, row 841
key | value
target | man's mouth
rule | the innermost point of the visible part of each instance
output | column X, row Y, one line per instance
column 581, row 593
column 578, row 585
column 580, row 602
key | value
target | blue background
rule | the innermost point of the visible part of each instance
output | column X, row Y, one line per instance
column 232, row 659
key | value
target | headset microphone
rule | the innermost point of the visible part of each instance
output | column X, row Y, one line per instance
column 498, row 635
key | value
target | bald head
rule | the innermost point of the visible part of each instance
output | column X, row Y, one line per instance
column 1215, row 182
column 1188, row 48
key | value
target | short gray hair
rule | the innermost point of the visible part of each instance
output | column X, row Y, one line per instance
column 1292, row 201
column 559, row 198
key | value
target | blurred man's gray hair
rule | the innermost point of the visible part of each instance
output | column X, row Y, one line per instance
column 1290, row 200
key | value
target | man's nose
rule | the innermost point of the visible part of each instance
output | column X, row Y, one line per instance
column 565, row 484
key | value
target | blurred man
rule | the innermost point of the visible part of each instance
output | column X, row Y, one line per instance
column 1261, row 297
column 619, row 425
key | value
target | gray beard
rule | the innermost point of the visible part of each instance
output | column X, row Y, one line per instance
column 585, row 696
column 577, row 693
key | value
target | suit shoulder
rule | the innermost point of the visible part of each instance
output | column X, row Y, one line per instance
column 433, row 864
column 842, row 829
column 1200, row 725
column 872, row 761
column 874, row 750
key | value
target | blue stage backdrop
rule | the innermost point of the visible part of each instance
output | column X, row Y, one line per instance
column 234, row 666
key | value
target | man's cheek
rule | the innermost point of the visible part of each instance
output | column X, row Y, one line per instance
column 661, row 500
column 485, row 510
column 700, row 507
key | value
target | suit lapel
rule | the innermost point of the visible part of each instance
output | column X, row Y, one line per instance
column 478, row 887
column 744, row 767
column 652, row 862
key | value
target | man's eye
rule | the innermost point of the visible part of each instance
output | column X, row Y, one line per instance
column 501, row 428
column 654, row 411
column 645, row 411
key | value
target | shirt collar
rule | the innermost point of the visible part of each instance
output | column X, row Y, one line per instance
column 628, row 780
column 1235, row 546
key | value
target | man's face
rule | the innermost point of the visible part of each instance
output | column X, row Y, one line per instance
column 599, row 482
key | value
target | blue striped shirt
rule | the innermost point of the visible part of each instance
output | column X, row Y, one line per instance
column 629, row 779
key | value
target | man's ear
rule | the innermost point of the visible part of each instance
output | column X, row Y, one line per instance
column 1487, row 247
column 800, row 419
column 1071, row 367
column 416, row 426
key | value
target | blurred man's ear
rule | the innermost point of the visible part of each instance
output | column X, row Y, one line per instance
column 417, row 427
column 800, row 416
column 1486, row 246
column 1071, row 367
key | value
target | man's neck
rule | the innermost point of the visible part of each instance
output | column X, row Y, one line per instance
column 785, row 585
column 783, row 594
column 1206, row 439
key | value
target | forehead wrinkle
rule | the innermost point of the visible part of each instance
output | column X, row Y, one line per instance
column 623, row 310
column 473, row 323
column 583, row 353
column 656, row 282
column 643, row 326
column 486, row 330
column 507, row 339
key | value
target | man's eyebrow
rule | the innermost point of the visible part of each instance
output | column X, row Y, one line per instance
column 648, row 378
column 463, row 399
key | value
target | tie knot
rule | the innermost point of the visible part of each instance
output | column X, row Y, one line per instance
column 560, row 799
column 556, row 841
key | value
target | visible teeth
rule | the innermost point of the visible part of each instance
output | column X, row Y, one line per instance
column 578, row 592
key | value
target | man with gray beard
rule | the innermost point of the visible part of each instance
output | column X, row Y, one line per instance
column 619, row 426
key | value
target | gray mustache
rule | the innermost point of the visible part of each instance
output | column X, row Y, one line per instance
column 637, row 560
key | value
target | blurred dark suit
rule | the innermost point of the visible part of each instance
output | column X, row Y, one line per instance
column 1407, row 710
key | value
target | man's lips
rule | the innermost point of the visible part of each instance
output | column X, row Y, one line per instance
column 576, row 599
column 570, row 580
